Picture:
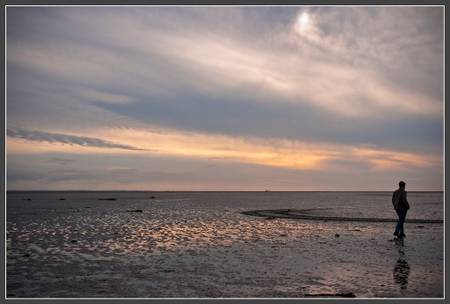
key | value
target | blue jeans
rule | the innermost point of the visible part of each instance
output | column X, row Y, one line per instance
column 401, row 219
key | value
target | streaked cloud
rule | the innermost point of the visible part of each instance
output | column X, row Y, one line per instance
column 39, row 136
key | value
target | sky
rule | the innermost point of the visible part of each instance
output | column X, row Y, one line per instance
column 224, row 98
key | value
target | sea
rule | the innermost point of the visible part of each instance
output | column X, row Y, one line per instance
column 126, row 244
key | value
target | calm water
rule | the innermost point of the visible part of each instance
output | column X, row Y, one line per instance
column 198, row 244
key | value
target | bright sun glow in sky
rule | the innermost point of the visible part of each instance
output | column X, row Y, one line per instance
column 303, row 20
column 224, row 98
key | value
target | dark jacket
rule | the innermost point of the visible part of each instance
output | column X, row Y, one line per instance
column 399, row 200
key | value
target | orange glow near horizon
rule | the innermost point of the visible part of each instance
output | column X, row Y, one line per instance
column 268, row 152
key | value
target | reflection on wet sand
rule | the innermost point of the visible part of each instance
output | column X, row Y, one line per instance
column 201, row 245
column 401, row 268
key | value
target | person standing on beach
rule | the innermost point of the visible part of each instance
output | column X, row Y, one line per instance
column 401, row 206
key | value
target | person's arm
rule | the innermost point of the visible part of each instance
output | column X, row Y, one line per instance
column 405, row 201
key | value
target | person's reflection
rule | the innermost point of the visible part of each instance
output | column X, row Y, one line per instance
column 401, row 269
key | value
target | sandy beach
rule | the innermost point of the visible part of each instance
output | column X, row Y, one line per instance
column 199, row 244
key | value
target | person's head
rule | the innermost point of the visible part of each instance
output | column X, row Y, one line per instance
column 402, row 184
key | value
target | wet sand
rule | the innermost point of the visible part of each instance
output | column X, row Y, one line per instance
column 182, row 245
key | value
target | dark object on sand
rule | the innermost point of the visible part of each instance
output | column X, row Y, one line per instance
column 107, row 199
column 168, row 270
column 343, row 295
column 74, row 241
column 27, row 199
column 62, row 199
column 337, row 235
column 420, row 226
column 153, row 197
column 26, row 255
column 137, row 210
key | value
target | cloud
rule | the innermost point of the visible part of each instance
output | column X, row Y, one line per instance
column 337, row 71
column 270, row 152
column 98, row 96
column 155, row 172
column 60, row 161
column 358, row 88
column 39, row 136
column 170, row 66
